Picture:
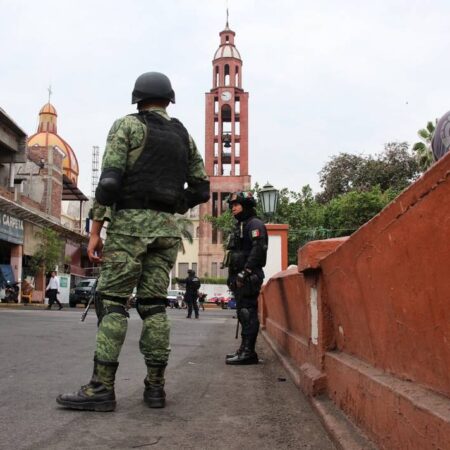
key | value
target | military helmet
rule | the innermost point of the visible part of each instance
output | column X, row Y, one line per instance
column 151, row 86
column 440, row 143
column 244, row 198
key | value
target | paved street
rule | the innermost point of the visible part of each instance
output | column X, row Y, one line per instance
column 209, row 405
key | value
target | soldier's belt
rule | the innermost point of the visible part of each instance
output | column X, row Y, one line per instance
column 144, row 204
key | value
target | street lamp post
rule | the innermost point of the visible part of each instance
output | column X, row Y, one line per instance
column 268, row 196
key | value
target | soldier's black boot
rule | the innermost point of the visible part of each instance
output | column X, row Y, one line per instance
column 154, row 394
column 98, row 394
column 247, row 356
column 237, row 352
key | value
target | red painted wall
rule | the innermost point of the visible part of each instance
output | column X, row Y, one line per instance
column 389, row 285
column 366, row 320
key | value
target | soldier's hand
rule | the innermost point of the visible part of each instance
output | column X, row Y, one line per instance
column 95, row 248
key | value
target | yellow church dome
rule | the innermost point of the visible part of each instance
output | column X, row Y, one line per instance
column 48, row 108
column 47, row 137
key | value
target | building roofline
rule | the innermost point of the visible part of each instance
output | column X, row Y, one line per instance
column 10, row 123
column 39, row 219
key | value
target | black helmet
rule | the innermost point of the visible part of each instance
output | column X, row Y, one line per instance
column 191, row 272
column 151, row 86
column 440, row 144
column 245, row 199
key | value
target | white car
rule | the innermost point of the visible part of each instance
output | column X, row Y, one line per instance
column 174, row 299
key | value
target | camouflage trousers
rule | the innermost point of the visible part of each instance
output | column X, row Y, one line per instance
column 144, row 263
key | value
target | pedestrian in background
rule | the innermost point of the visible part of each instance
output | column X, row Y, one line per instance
column 192, row 283
column 52, row 291
column 201, row 300
column 151, row 169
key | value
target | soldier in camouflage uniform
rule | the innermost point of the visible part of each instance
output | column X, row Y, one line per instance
column 148, row 160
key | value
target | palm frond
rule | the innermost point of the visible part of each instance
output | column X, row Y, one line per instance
column 423, row 133
column 431, row 127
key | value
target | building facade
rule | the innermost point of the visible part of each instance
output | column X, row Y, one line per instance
column 36, row 176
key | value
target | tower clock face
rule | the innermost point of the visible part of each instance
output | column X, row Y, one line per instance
column 226, row 96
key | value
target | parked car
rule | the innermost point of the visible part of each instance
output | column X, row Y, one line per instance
column 220, row 300
column 174, row 299
column 82, row 292
column 232, row 303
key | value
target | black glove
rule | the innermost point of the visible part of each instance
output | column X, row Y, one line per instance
column 241, row 277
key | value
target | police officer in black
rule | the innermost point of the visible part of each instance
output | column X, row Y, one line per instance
column 192, row 283
column 245, row 258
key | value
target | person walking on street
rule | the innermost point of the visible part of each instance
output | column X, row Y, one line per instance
column 192, row 283
column 245, row 258
column 151, row 169
column 201, row 300
column 52, row 291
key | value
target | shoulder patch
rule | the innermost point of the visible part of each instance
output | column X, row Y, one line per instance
column 255, row 233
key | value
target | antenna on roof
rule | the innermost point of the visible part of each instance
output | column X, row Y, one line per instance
column 95, row 160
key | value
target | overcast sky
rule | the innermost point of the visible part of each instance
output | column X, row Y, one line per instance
column 324, row 77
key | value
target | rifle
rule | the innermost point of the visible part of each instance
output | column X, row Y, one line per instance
column 89, row 303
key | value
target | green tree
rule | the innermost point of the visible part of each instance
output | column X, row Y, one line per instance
column 345, row 214
column 49, row 252
column 394, row 168
column 422, row 149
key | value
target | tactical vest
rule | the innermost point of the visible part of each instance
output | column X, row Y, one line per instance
column 240, row 245
column 157, row 178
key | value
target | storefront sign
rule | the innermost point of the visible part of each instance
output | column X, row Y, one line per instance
column 11, row 228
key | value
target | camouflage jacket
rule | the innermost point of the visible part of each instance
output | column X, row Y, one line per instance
column 124, row 144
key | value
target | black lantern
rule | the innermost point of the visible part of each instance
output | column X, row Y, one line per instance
column 268, row 196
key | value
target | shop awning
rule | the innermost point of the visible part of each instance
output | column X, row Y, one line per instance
column 71, row 191
column 40, row 219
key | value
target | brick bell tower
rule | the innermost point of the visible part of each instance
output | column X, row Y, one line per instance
column 226, row 147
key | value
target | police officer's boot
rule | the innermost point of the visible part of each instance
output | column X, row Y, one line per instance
column 237, row 352
column 98, row 394
column 154, row 394
column 247, row 356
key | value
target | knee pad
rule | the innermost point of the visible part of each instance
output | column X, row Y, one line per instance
column 102, row 310
column 150, row 306
column 244, row 316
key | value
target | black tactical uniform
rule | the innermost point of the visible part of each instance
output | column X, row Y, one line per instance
column 192, row 283
column 245, row 259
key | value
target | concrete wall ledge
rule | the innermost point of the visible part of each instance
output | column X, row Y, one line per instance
column 310, row 255
column 377, row 400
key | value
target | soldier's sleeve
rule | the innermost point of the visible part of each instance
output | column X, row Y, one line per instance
column 115, row 157
column 100, row 212
column 197, row 180
column 258, row 252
